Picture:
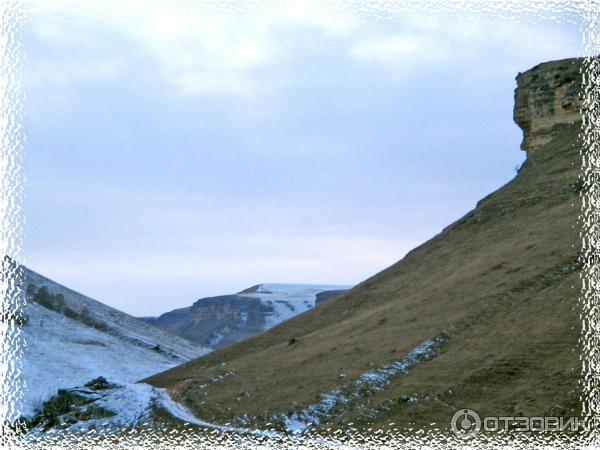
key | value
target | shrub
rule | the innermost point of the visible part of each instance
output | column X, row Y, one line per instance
column 71, row 314
column 99, row 384
column 55, row 302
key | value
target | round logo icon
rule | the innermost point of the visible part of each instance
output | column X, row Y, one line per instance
column 465, row 423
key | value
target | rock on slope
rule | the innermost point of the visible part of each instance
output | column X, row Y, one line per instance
column 71, row 339
column 223, row 320
column 484, row 315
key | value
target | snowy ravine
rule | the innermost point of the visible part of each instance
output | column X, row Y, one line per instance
column 344, row 396
column 125, row 406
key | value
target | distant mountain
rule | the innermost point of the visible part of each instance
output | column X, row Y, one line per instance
column 225, row 319
column 71, row 339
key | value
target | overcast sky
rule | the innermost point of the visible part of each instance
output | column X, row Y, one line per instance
column 178, row 151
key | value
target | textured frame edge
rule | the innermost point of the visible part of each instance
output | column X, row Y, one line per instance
column 11, row 151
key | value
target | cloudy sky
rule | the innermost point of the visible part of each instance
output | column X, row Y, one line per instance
column 177, row 150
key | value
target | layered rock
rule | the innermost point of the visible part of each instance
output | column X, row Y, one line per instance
column 216, row 321
column 225, row 319
column 547, row 99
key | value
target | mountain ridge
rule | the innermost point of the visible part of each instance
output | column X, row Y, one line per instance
column 225, row 319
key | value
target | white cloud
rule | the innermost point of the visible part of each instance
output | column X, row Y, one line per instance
column 198, row 49
column 45, row 72
column 425, row 43
column 402, row 51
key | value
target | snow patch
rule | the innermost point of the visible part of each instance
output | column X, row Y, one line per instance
column 133, row 405
column 288, row 300
column 215, row 338
column 61, row 353
column 334, row 402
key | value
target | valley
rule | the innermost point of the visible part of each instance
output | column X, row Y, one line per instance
column 484, row 315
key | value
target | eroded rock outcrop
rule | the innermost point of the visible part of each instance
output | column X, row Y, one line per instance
column 216, row 321
column 547, row 99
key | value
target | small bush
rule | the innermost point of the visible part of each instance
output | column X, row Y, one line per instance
column 62, row 403
column 55, row 302
column 30, row 292
column 71, row 314
column 99, row 384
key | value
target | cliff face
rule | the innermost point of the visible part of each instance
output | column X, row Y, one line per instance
column 217, row 321
column 484, row 315
column 225, row 319
column 547, row 99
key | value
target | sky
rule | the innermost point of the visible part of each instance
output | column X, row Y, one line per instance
column 178, row 150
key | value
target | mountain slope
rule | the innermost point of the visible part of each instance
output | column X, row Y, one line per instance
column 71, row 339
column 484, row 315
column 225, row 319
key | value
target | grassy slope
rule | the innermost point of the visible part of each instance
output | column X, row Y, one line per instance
column 503, row 275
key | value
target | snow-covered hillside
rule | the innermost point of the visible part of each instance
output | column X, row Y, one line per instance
column 84, row 339
column 120, row 323
column 287, row 300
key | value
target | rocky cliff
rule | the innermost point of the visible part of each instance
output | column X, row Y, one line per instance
column 484, row 315
column 547, row 100
column 216, row 321
column 225, row 319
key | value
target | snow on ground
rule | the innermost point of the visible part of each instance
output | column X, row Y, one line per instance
column 133, row 405
column 62, row 353
column 288, row 300
column 121, row 324
column 367, row 383
column 182, row 413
